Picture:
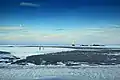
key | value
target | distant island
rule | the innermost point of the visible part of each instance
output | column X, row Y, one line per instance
column 92, row 45
column 97, row 45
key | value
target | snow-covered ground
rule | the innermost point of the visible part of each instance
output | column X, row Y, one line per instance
column 6, row 55
column 60, row 73
column 22, row 52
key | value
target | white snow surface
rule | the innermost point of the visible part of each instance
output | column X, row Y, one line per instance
column 22, row 52
column 6, row 55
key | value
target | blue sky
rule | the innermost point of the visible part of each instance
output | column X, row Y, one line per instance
column 59, row 21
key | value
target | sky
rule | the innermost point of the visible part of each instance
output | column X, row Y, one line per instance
column 59, row 22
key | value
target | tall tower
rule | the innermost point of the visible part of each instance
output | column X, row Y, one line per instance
column 73, row 43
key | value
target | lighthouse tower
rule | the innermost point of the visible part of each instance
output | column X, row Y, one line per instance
column 73, row 43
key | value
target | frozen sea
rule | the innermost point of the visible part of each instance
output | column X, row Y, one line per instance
column 22, row 52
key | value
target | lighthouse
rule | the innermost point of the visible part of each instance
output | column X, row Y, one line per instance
column 73, row 43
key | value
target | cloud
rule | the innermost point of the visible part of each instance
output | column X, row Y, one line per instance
column 10, row 28
column 103, row 35
column 60, row 29
column 115, row 26
column 29, row 4
column 5, row 30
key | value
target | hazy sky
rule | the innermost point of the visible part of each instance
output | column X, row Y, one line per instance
column 59, row 21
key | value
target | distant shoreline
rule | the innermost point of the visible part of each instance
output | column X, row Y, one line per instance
column 71, row 47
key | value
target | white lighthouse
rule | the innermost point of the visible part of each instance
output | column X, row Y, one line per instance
column 73, row 43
